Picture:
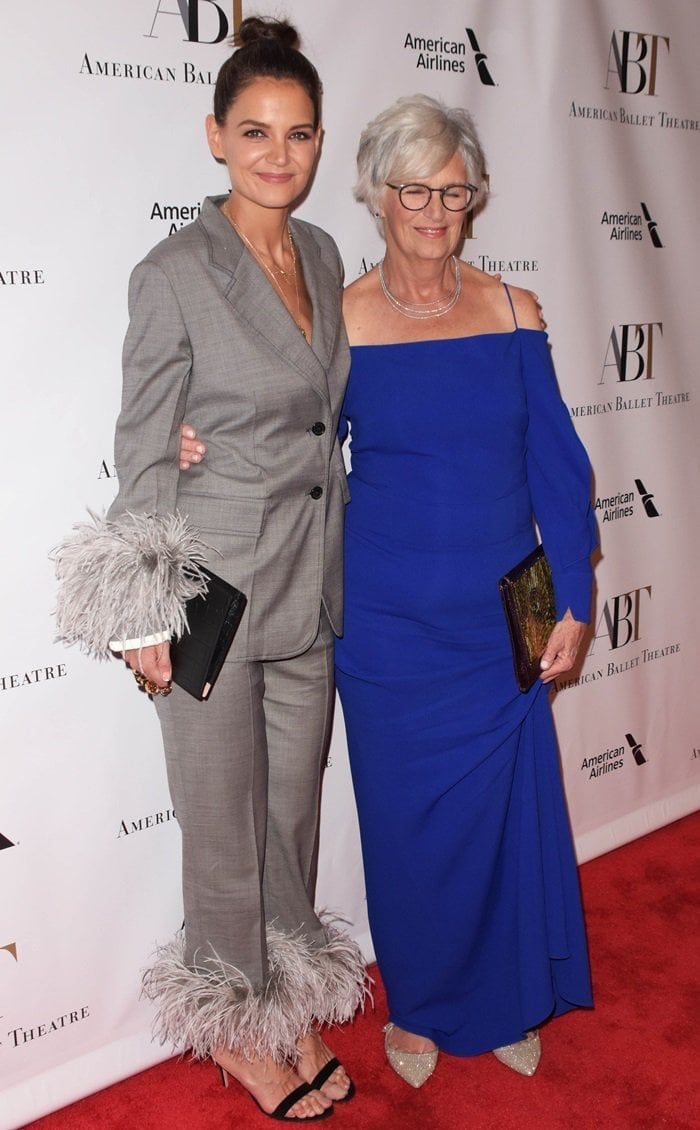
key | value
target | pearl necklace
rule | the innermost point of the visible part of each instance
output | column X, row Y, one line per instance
column 424, row 310
column 285, row 274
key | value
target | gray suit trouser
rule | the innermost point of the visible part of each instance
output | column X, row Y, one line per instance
column 244, row 770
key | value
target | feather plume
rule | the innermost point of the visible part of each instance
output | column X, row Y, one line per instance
column 334, row 975
column 126, row 577
column 214, row 1004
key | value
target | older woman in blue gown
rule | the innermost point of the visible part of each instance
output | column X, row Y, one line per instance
column 460, row 442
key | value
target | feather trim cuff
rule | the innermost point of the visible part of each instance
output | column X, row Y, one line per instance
column 126, row 577
column 215, row 1005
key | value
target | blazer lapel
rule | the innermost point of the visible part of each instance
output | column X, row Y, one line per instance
column 254, row 298
column 325, row 293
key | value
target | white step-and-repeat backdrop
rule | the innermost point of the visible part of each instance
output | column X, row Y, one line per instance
column 590, row 117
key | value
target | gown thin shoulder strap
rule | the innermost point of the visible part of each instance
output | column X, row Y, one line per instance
column 512, row 307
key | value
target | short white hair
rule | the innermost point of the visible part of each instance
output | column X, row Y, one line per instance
column 416, row 137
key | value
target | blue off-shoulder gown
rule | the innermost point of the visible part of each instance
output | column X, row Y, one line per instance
column 472, row 888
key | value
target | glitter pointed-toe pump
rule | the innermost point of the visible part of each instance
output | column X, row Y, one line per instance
column 413, row 1067
column 523, row 1056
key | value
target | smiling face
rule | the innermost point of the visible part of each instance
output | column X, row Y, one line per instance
column 269, row 143
column 432, row 233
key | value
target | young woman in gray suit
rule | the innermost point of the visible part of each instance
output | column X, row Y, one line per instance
column 235, row 325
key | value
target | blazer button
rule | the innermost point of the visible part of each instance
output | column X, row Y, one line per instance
column 318, row 428
column 316, row 492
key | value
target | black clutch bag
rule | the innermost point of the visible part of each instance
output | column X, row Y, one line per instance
column 527, row 593
column 213, row 619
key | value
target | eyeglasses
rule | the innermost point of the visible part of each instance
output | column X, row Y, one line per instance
column 415, row 197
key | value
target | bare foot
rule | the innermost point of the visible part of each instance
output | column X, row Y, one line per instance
column 269, row 1083
column 405, row 1041
column 315, row 1054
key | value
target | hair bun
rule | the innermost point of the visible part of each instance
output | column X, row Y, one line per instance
column 254, row 29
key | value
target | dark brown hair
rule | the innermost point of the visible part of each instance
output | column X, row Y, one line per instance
column 267, row 48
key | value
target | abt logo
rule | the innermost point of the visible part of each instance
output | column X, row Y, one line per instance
column 620, row 618
column 189, row 13
column 633, row 59
column 631, row 351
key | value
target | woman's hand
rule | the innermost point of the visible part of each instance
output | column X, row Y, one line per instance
column 192, row 450
column 562, row 647
column 153, row 662
column 536, row 300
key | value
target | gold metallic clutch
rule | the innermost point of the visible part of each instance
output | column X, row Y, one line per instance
column 527, row 593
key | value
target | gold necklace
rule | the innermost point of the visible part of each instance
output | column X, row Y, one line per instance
column 259, row 258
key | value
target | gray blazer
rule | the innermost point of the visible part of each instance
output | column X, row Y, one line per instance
column 210, row 342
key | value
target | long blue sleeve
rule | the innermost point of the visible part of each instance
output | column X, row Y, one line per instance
column 559, row 477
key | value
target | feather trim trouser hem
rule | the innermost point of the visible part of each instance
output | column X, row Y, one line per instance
column 215, row 1005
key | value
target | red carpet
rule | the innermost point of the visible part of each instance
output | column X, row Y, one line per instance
column 632, row 1063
